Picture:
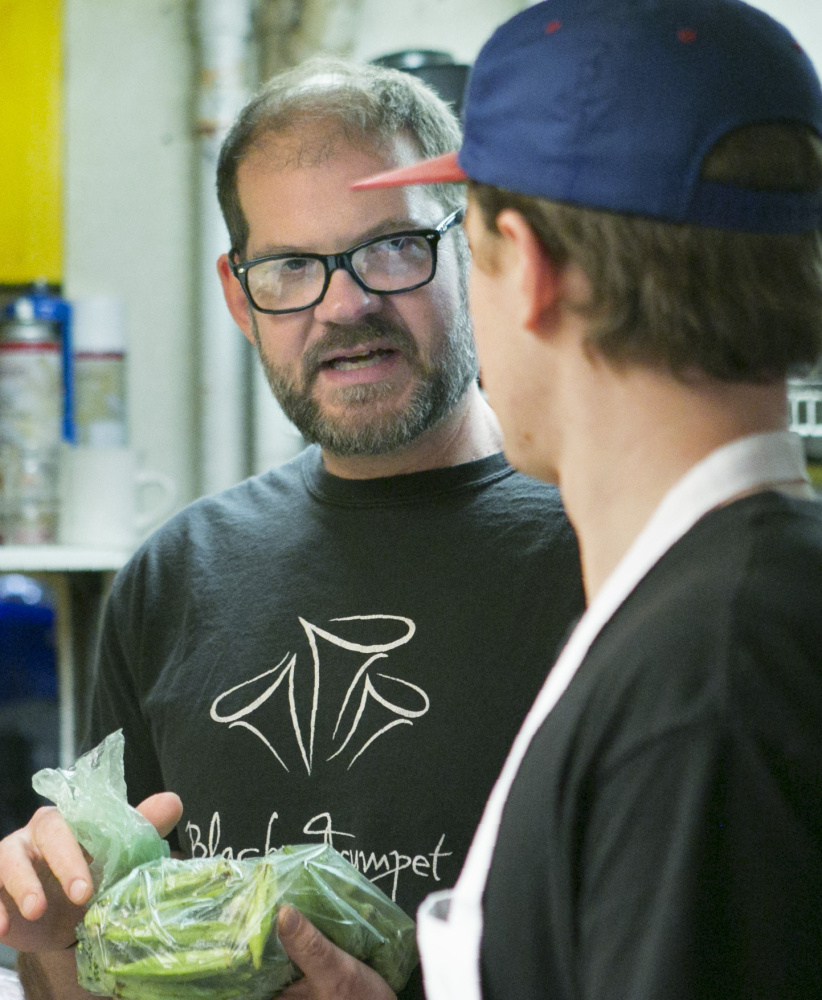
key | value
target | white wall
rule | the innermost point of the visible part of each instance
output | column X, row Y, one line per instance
column 128, row 203
column 456, row 26
column 803, row 18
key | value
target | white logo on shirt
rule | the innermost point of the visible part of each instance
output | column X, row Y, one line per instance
column 402, row 699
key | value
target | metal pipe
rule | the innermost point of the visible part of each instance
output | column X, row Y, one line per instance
column 223, row 30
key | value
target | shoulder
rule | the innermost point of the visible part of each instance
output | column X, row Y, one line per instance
column 518, row 495
column 523, row 507
column 225, row 526
column 724, row 630
column 239, row 506
column 752, row 554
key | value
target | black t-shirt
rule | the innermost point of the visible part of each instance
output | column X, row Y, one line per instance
column 305, row 658
column 663, row 837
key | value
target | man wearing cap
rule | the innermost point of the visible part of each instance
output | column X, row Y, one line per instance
column 644, row 215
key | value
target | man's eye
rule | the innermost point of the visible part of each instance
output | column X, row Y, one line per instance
column 406, row 248
column 287, row 269
column 396, row 245
column 294, row 265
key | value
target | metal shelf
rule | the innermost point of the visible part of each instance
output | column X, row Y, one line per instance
column 60, row 559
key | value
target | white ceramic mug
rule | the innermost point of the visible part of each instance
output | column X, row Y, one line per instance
column 107, row 500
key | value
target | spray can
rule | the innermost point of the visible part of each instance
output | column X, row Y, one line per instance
column 31, row 425
column 99, row 343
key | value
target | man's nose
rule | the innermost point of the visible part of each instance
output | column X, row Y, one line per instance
column 344, row 300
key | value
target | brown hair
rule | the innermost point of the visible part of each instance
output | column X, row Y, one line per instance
column 360, row 102
column 739, row 307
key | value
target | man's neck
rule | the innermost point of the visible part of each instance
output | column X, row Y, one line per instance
column 650, row 432
column 469, row 432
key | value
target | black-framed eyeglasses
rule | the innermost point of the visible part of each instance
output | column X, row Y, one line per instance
column 385, row 265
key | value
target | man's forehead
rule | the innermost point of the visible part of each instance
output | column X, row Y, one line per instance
column 295, row 148
column 312, row 142
column 295, row 192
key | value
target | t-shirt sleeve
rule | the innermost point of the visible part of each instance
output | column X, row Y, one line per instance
column 116, row 699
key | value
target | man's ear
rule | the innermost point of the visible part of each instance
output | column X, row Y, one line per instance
column 235, row 298
column 536, row 274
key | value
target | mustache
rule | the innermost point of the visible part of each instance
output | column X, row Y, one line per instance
column 345, row 337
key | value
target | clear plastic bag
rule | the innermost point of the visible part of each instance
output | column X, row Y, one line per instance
column 205, row 928
column 91, row 797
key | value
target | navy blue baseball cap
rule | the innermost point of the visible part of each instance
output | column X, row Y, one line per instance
column 614, row 104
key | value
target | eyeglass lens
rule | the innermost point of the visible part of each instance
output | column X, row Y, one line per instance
column 390, row 265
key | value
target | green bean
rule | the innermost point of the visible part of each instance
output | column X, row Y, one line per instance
column 205, row 929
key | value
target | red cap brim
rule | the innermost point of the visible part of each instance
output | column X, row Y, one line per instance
column 439, row 170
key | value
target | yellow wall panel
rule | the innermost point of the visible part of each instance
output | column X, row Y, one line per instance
column 30, row 141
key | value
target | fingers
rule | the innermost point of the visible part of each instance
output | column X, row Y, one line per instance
column 163, row 811
column 45, row 843
column 304, row 944
column 45, row 879
column 330, row 973
column 43, row 874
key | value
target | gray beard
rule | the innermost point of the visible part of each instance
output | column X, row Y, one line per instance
column 439, row 388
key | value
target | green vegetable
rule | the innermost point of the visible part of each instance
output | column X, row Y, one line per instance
column 205, row 929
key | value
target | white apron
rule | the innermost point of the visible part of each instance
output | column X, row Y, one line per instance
column 449, row 923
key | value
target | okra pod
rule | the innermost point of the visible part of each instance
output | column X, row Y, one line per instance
column 179, row 964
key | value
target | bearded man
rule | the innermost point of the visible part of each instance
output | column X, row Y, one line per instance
column 324, row 653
